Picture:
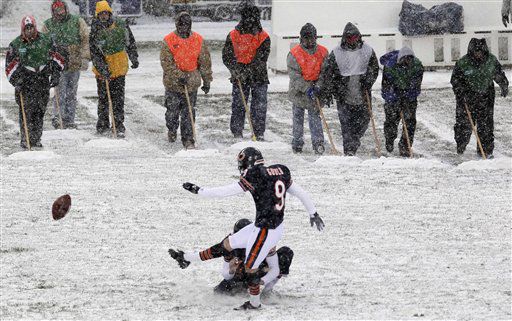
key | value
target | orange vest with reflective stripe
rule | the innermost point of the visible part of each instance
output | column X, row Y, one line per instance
column 185, row 51
column 246, row 45
column 310, row 64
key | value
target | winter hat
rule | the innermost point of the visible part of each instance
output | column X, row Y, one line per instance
column 404, row 52
column 308, row 31
column 181, row 15
column 102, row 6
column 28, row 20
column 58, row 4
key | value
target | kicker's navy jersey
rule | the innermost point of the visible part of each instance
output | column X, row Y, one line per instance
column 268, row 186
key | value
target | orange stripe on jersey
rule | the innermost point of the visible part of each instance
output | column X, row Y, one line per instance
column 256, row 248
column 246, row 183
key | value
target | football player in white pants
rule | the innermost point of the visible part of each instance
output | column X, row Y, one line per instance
column 268, row 185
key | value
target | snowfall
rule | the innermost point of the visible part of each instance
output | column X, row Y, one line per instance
column 421, row 238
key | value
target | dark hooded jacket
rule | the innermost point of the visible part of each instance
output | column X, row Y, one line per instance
column 400, row 81
column 473, row 76
column 256, row 71
column 332, row 83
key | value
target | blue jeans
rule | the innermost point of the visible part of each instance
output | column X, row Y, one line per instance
column 315, row 126
column 67, row 88
column 177, row 107
column 354, row 122
column 258, row 109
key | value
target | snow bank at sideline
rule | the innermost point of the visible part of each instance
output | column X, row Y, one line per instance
column 488, row 164
column 33, row 155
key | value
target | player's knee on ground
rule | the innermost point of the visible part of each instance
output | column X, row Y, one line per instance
column 285, row 256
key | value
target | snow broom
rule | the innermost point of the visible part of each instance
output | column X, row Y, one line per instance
column 191, row 115
column 369, row 104
column 111, row 109
column 334, row 151
column 475, row 132
column 247, row 112
column 407, row 139
column 56, row 94
column 24, row 117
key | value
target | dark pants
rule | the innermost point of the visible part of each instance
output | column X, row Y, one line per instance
column 117, row 94
column 393, row 120
column 354, row 122
column 315, row 126
column 481, row 107
column 35, row 100
column 258, row 109
column 177, row 107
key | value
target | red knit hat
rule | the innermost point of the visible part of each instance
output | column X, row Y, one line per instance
column 58, row 4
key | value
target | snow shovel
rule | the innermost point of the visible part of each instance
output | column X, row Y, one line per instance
column 377, row 142
column 190, row 114
column 409, row 147
column 24, row 117
column 56, row 93
column 247, row 112
column 475, row 132
column 111, row 109
column 334, row 151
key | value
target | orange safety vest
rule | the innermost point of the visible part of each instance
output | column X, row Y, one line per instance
column 246, row 45
column 310, row 64
column 185, row 51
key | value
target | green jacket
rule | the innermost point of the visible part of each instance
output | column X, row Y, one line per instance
column 31, row 63
column 72, row 36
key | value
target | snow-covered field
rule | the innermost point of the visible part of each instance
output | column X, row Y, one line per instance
column 427, row 237
column 422, row 238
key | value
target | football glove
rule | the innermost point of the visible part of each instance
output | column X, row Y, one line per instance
column 193, row 188
column 316, row 220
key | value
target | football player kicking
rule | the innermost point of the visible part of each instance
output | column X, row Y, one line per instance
column 276, row 265
column 268, row 186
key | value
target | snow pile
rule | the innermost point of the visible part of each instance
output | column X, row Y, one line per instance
column 42, row 155
column 488, row 164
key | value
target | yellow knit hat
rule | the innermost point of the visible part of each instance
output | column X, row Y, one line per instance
column 102, row 6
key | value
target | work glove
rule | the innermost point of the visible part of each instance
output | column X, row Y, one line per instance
column 505, row 20
column 135, row 64
column 504, row 91
column 192, row 188
column 54, row 80
column 183, row 81
column 313, row 92
column 316, row 220
column 104, row 72
column 206, row 88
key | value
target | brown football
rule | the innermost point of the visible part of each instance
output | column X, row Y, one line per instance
column 61, row 207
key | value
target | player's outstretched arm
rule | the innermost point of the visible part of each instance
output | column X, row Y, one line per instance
column 213, row 192
column 297, row 191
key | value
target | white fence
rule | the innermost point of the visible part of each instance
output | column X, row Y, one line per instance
column 378, row 22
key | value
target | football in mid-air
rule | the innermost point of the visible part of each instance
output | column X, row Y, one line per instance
column 61, row 207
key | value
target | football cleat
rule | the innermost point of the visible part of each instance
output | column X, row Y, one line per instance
column 178, row 256
column 247, row 306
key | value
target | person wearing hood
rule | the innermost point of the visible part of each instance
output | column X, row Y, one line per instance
column 472, row 81
column 32, row 66
column 401, row 86
column 185, row 61
column 245, row 54
column 348, row 75
column 506, row 12
column 69, row 33
column 304, row 66
column 111, row 43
